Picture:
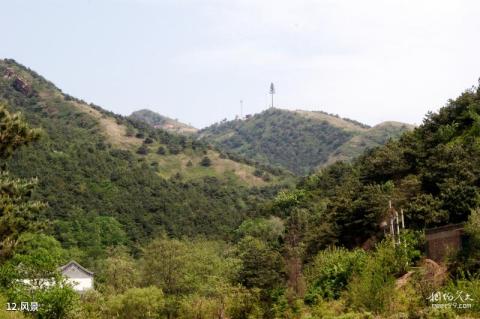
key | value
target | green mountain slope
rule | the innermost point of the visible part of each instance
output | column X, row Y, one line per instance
column 162, row 122
column 370, row 138
column 432, row 173
column 93, row 164
column 299, row 141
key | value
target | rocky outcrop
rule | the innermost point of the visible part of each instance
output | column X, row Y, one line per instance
column 9, row 74
column 428, row 274
column 22, row 86
column 18, row 83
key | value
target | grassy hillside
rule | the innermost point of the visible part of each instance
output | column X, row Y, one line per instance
column 94, row 163
column 368, row 139
column 163, row 122
column 299, row 141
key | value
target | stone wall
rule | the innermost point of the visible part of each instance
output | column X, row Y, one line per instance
column 443, row 241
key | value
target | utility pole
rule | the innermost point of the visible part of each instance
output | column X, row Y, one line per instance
column 272, row 91
column 395, row 222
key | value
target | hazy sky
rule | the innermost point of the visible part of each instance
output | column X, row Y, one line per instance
column 370, row 60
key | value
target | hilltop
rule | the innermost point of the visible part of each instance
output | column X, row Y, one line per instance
column 162, row 122
column 300, row 141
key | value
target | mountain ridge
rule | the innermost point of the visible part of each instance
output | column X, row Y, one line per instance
column 298, row 140
column 109, row 165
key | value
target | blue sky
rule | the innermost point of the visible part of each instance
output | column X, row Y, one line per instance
column 370, row 60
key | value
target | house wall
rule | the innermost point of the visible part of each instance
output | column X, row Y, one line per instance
column 78, row 278
column 81, row 284
column 78, row 284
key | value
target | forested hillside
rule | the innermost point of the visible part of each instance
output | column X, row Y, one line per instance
column 82, row 186
column 299, row 141
column 107, row 175
column 431, row 172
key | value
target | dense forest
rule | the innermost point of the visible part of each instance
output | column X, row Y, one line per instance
column 217, row 247
column 94, row 183
column 299, row 141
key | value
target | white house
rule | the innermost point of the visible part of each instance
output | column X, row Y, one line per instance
column 79, row 277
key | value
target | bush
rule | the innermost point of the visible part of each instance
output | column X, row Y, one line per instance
column 268, row 230
column 336, row 310
column 331, row 270
column 142, row 150
column 374, row 287
column 469, row 257
column 242, row 303
column 257, row 173
column 232, row 302
column 91, row 305
column 266, row 177
column 57, row 302
column 130, row 131
column 206, row 162
column 141, row 303
column 162, row 150
column 466, row 286
column 199, row 307
column 8, row 314
column 174, row 149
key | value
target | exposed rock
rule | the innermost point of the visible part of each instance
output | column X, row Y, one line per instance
column 429, row 273
column 434, row 273
column 18, row 83
column 22, row 86
column 369, row 244
column 9, row 73
column 402, row 281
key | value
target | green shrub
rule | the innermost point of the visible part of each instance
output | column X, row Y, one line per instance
column 441, row 314
column 141, row 303
column 466, row 287
column 206, row 161
column 373, row 289
column 161, row 150
column 142, row 150
column 199, row 307
column 468, row 259
column 258, row 173
column 330, row 272
column 58, row 301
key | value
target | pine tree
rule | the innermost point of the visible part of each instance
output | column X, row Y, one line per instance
column 206, row 161
column 14, row 132
column 18, row 213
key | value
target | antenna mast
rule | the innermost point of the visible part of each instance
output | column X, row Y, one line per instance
column 272, row 91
